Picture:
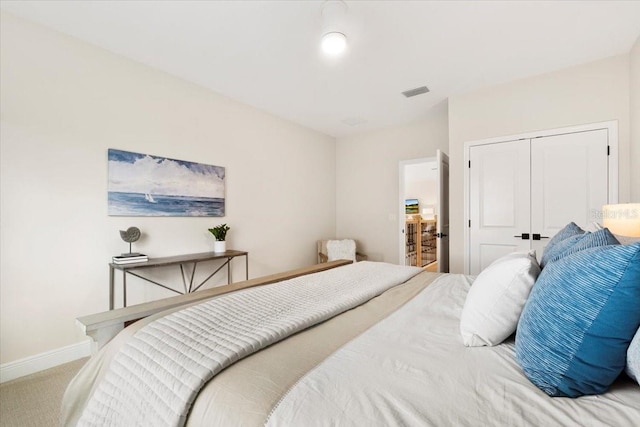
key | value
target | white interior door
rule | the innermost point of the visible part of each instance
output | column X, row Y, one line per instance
column 569, row 182
column 499, row 201
column 442, row 212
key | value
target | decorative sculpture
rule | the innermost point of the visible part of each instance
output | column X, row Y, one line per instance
column 132, row 234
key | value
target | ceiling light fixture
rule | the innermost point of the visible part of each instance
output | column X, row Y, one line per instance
column 334, row 40
column 334, row 43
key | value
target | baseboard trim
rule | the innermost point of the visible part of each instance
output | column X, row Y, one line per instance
column 40, row 362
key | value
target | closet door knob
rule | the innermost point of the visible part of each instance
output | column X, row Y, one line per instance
column 523, row 236
column 536, row 236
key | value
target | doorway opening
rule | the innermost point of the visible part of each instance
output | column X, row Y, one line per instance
column 423, row 213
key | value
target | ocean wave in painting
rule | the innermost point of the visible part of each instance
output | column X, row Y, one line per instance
column 146, row 204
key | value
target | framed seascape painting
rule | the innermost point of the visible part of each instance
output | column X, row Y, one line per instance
column 146, row 185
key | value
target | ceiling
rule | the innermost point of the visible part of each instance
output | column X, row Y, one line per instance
column 266, row 53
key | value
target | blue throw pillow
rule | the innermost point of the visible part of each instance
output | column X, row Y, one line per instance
column 578, row 243
column 583, row 311
column 568, row 231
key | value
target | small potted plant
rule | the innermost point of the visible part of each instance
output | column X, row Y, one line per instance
column 220, row 233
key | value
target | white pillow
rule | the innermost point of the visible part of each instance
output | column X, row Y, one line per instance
column 341, row 249
column 633, row 358
column 496, row 299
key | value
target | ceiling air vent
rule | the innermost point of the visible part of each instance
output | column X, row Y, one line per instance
column 354, row 121
column 416, row 91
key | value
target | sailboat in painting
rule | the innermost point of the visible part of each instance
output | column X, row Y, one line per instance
column 149, row 198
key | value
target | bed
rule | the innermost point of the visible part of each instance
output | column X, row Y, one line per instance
column 396, row 359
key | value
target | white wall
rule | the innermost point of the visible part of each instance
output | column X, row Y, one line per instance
column 588, row 93
column 420, row 182
column 634, row 108
column 367, row 181
column 63, row 104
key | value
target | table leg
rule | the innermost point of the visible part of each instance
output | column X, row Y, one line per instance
column 111, row 290
column 246, row 266
column 193, row 274
column 229, row 271
column 184, row 279
column 124, row 288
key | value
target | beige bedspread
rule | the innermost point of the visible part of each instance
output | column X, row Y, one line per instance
column 245, row 393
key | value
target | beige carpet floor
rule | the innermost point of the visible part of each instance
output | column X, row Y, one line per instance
column 34, row 400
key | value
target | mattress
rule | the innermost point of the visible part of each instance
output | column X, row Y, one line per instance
column 395, row 360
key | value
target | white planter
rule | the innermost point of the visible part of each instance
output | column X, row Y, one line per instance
column 219, row 246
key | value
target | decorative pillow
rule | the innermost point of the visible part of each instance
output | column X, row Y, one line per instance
column 341, row 249
column 496, row 298
column 633, row 358
column 554, row 252
column 575, row 329
column 578, row 243
column 568, row 231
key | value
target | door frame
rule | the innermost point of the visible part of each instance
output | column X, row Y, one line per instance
column 401, row 210
column 612, row 133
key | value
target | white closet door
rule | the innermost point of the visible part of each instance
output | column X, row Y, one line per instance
column 569, row 182
column 499, row 190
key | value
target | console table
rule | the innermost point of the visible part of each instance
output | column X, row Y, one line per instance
column 181, row 260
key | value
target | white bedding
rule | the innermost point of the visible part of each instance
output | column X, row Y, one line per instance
column 156, row 376
column 412, row 369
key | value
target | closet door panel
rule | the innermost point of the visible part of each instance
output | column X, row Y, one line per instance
column 569, row 181
column 499, row 201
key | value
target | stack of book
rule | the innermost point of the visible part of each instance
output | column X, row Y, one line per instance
column 130, row 258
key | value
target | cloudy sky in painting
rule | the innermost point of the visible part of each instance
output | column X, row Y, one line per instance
column 142, row 173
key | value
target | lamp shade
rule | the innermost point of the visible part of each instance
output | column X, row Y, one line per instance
column 622, row 219
column 428, row 212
